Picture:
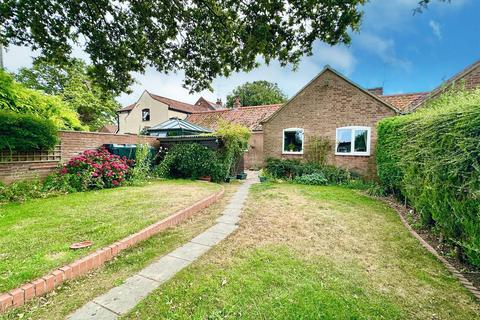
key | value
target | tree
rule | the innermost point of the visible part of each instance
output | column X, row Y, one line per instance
column 73, row 84
column 256, row 93
column 204, row 38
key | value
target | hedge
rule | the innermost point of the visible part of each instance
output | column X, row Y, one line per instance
column 432, row 157
column 22, row 132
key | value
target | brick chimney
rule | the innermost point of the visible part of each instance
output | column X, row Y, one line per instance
column 377, row 91
column 237, row 103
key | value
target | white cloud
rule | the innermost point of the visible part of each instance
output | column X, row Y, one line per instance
column 436, row 29
column 383, row 49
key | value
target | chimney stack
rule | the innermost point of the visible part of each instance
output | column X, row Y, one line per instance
column 237, row 103
column 218, row 104
column 378, row 91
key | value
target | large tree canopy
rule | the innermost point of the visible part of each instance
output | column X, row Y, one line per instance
column 204, row 38
column 256, row 93
column 72, row 83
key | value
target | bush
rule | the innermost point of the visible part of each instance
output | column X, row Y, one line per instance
column 316, row 178
column 191, row 161
column 96, row 169
column 143, row 162
column 26, row 132
column 235, row 139
column 291, row 169
column 432, row 157
column 317, row 149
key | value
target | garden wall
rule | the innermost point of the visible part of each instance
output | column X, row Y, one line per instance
column 71, row 144
column 254, row 158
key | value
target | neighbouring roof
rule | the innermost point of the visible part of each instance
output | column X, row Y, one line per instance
column 178, row 124
column 404, row 100
column 250, row 117
column 127, row 108
column 458, row 76
column 171, row 103
column 109, row 128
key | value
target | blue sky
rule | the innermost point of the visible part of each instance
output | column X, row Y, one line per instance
column 394, row 48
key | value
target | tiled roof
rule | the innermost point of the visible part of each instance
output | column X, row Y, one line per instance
column 405, row 100
column 109, row 128
column 127, row 108
column 249, row 117
column 178, row 105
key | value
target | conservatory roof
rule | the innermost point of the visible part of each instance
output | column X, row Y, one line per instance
column 178, row 124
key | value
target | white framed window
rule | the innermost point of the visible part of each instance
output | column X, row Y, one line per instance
column 292, row 141
column 353, row 141
column 146, row 115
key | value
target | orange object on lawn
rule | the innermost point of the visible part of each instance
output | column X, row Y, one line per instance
column 80, row 245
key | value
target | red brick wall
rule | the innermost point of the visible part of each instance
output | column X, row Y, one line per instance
column 329, row 102
column 254, row 156
column 72, row 143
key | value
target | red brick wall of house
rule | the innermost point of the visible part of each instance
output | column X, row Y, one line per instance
column 72, row 143
column 253, row 158
column 472, row 80
column 329, row 102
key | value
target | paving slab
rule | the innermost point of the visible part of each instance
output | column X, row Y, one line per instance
column 228, row 219
column 126, row 296
column 164, row 268
column 190, row 251
column 93, row 311
column 232, row 212
column 223, row 228
column 209, row 238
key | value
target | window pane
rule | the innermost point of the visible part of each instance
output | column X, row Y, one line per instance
column 146, row 114
column 344, row 140
column 361, row 140
column 293, row 141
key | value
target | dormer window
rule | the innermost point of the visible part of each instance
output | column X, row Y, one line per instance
column 146, row 115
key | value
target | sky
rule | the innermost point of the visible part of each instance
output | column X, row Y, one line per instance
column 394, row 49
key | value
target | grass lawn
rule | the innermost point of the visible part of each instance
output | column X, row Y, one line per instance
column 305, row 252
column 35, row 236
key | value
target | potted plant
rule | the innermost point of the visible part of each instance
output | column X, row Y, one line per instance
column 242, row 176
column 262, row 175
column 291, row 147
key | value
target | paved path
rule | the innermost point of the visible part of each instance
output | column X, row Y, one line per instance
column 121, row 299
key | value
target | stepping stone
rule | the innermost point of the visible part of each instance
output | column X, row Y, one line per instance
column 164, row 268
column 228, row 219
column 126, row 296
column 233, row 205
column 223, row 228
column 232, row 212
column 190, row 251
column 209, row 238
column 92, row 311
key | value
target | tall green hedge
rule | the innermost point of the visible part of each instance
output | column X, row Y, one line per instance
column 432, row 157
column 20, row 132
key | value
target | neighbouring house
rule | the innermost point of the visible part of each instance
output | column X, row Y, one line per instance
column 176, row 127
column 250, row 117
column 151, row 109
column 330, row 106
column 203, row 103
column 109, row 128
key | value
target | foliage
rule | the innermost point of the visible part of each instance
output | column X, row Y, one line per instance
column 15, row 97
column 24, row 132
column 317, row 149
column 97, row 169
column 73, row 84
column 143, row 163
column 256, row 93
column 21, row 191
column 191, row 160
column 316, row 178
column 294, row 169
column 235, row 142
column 432, row 158
column 205, row 39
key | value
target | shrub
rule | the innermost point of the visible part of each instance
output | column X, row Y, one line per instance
column 143, row 162
column 96, row 169
column 21, row 132
column 291, row 169
column 235, row 139
column 317, row 149
column 191, row 161
column 432, row 157
column 21, row 191
column 316, row 178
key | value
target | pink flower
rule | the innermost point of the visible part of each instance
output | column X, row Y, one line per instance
column 115, row 182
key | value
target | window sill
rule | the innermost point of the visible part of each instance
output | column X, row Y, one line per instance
column 293, row 152
column 356, row 154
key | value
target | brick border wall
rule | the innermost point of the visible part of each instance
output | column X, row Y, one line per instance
column 72, row 143
column 39, row 287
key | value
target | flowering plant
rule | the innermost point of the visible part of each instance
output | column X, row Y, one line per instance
column 101, row 168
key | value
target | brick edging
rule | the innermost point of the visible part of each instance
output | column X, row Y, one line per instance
column 39, row 287
column 464, row 281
